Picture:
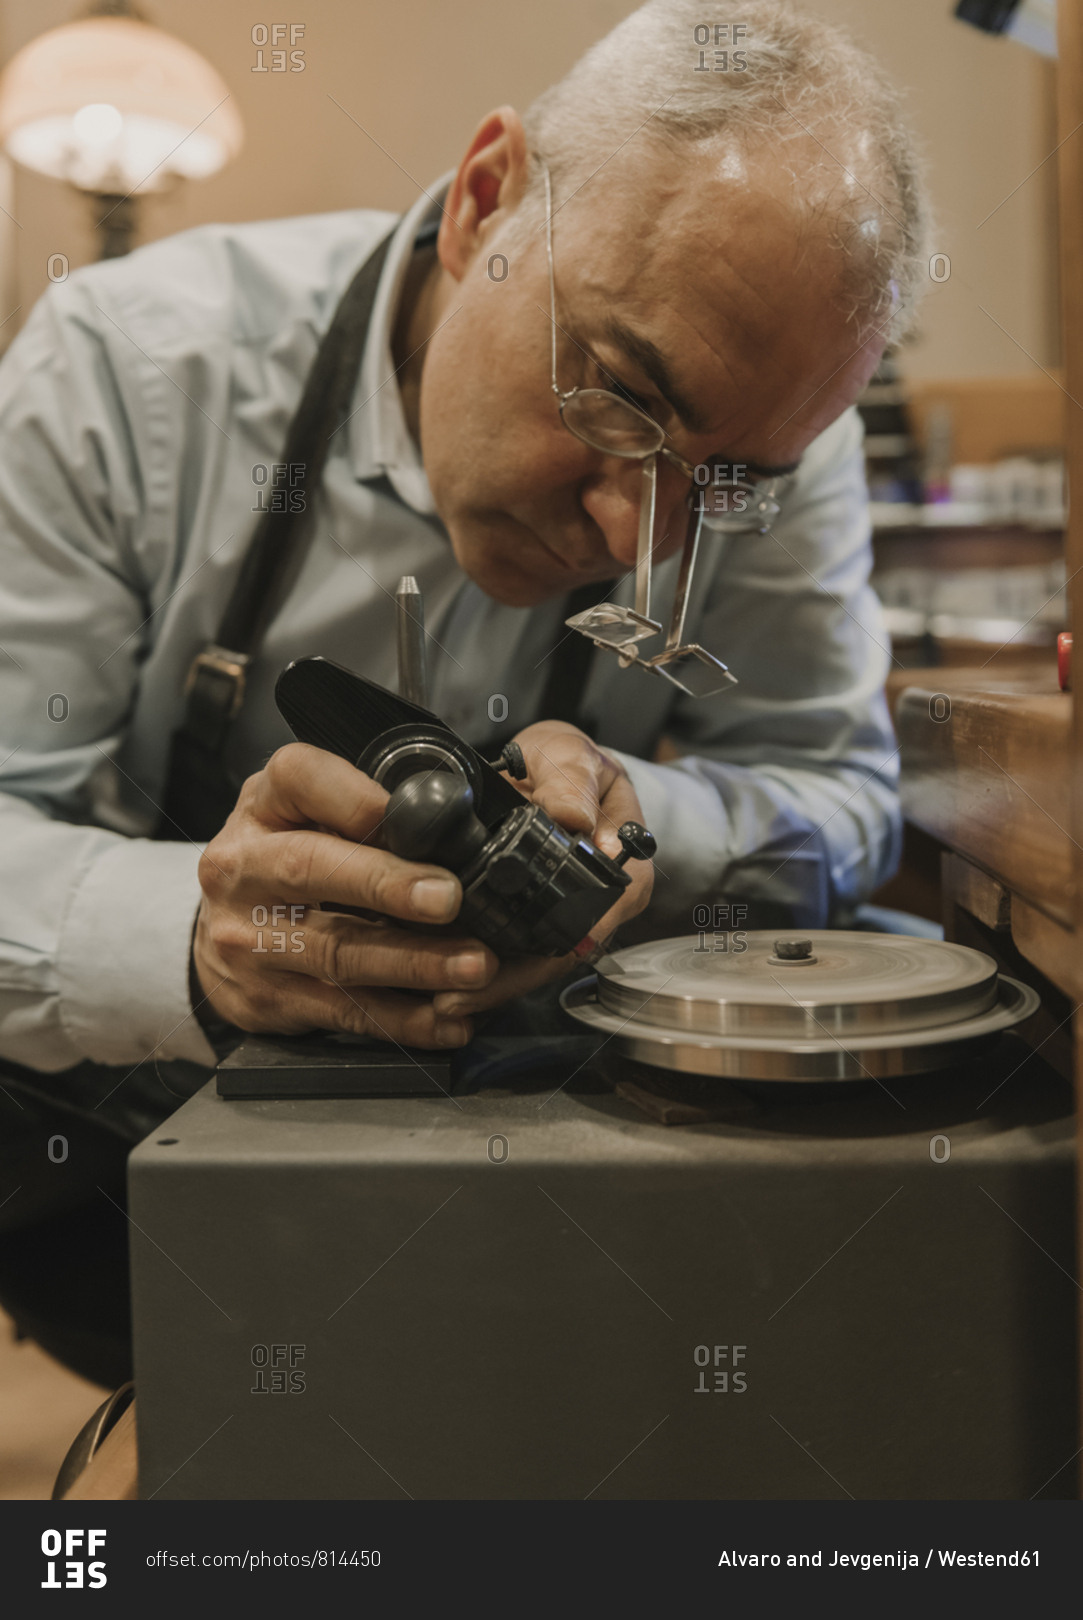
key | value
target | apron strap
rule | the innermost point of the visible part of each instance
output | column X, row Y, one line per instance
column 571, row 659
column 215, row 689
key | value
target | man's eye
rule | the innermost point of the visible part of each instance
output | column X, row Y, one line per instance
column 633, row 399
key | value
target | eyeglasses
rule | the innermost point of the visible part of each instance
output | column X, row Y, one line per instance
column 721, row 499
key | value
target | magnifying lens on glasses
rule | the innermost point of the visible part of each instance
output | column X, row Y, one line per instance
column 723, row 504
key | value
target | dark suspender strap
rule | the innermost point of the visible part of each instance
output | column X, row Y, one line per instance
column 428, row 232
column 570, row 660
column 216, row 680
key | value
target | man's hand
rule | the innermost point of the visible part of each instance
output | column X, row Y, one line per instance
column 585, row 790
column 294, row 839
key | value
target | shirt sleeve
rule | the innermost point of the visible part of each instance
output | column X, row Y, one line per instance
column 786, row 792
column 96, row 927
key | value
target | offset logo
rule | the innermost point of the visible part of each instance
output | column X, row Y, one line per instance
column 277, row 1372
column 80, row 1563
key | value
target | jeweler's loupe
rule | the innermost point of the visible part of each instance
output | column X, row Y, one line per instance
column 685, row 665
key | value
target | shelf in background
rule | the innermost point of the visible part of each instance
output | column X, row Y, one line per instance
column 966, row 546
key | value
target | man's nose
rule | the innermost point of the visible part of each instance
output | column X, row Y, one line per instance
column 612, row 498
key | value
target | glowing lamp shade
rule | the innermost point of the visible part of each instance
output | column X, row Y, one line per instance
column 114, row 105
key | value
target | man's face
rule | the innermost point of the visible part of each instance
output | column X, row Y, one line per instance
column 694, row 252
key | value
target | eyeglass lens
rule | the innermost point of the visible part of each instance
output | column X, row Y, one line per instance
column 610, row 424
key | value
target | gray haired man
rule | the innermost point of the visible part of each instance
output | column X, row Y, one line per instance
column 685, row 254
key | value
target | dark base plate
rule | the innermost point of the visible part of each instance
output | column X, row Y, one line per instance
column 331, row 1066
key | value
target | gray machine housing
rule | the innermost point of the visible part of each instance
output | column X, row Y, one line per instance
column 544, row 1294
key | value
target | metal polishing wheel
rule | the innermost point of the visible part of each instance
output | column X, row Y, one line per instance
column 824, row 1005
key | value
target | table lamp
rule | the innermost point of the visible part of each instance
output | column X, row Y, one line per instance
column 117, row 108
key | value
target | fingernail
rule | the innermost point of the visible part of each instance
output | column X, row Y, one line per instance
column 450, row 1034
column 434, row 898
column 469, row 968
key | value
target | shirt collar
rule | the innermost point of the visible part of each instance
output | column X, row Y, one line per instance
column 380, row 443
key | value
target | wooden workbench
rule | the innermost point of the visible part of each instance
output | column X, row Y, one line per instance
column 986, row 771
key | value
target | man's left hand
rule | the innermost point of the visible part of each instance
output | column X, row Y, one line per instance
column 585, row 790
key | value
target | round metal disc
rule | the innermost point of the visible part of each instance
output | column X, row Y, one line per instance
column 762, row 1057
column 852, row 984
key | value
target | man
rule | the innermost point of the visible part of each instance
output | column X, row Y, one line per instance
column 731, row 249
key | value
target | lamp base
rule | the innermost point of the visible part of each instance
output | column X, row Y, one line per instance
column 115, row 218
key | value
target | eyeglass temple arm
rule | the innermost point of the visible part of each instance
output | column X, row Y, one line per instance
column 679, row 461
column 644, row 554
column 552, row 279
column 675, row 635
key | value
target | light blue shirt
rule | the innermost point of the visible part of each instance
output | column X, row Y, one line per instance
column 134, row 408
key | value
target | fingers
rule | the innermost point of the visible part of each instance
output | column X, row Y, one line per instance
column 322, row 970
column 349, row 953
column 620, row 803
column 515, row 978
column 563, row 777
column 581, row 786
column 631, row 903
column 296, row 839
column 268, row 846
column 305, row 866
column 300, row 785
column 289, row 1005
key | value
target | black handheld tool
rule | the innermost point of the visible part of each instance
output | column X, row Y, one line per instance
column 528, row 885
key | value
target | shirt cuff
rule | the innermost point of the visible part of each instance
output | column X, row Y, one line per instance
column 689, row 822
column 123, row 957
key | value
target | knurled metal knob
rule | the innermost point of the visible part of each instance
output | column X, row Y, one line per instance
column 511, row 760
column 636, row 843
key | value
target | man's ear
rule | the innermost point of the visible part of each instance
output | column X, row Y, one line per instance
column 488, row 185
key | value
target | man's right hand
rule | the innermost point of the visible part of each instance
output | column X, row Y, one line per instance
column 297, row 837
